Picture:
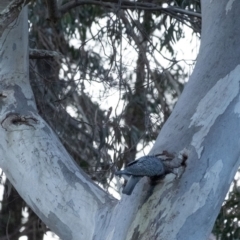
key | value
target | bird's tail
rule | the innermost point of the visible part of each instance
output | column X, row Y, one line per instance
column 118, row 173
column 132, row 181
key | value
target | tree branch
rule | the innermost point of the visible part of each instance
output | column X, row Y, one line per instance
column 40, row 54
column 129, row 5
column 58, row 191
column 9, row 12
column 53, row 13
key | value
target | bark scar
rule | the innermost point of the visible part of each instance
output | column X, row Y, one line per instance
column 17, row 119
column 2, row 95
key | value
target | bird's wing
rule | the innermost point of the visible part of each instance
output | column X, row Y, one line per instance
column 133, row 162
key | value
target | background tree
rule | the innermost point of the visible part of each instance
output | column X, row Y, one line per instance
column 92, row 133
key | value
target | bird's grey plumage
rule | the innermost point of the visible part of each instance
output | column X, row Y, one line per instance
column 132, row 181
column 149, row 166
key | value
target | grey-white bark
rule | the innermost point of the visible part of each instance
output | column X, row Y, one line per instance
column 9, row 10
column 32, row 156
column 205, row 121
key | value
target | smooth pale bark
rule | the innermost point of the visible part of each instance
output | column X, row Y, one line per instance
column 9, row 10
column 205, row 121
column 33, row 158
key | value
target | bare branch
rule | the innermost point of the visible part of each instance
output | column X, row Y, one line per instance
column 129, row 5
column 53, row 13
column 40, row 53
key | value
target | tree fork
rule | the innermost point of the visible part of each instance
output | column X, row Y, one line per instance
column 205, row 121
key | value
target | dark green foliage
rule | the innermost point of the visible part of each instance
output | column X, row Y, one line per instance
column 227, row 224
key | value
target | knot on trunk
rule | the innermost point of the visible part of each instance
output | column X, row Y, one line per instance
column 16, row 121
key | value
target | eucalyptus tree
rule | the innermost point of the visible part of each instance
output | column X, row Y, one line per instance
column 34, row 117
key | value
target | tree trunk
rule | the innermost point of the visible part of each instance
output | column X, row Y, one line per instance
column 205, row 121
column 33, row 158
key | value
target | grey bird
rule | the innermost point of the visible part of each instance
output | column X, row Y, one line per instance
column 149, row 166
